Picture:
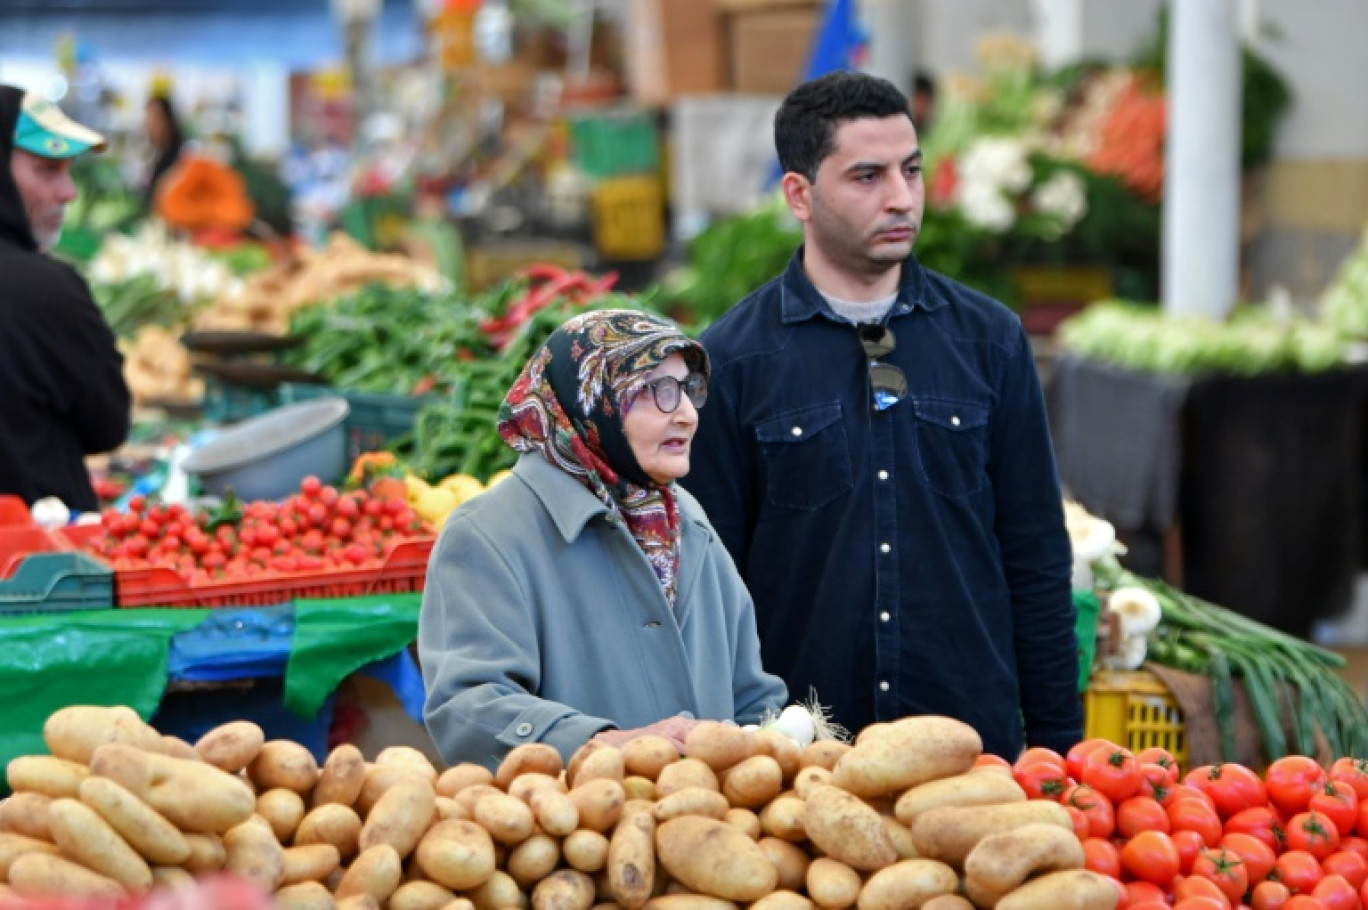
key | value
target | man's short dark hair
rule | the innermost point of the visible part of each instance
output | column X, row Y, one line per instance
column 805, row 126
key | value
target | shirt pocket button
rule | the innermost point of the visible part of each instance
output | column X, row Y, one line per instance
column 524, row 729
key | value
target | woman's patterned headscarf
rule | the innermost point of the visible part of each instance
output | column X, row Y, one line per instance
column 568, row 405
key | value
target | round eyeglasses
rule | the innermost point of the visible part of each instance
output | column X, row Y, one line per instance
column 667, row 391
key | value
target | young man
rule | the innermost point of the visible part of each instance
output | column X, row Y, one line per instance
column 62, row 391
column 875, row 454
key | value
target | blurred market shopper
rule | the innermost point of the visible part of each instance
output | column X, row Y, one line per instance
column 586, row 595
column 875, row 454
column 62, row 391
column 165, row 140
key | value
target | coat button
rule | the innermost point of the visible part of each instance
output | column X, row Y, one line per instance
column 797, row 431
column 883, row 686
column 524, row 729
column 954, row 421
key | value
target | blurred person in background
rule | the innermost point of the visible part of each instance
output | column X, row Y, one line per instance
column 165, row 140
column 62, row 391
column 923, row 102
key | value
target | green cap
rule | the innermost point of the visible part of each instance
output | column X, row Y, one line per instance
column 43, row 130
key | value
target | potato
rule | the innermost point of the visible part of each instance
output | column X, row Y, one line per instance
column 785, row 818
column 74, row 732
column 401, row 816
column 408, row 759
column 832, row 884
column 533, row 860
column 601, row 764
column 252, row 852
column 1077, row 889
column 331, row 823
column 692, row 801
column 176, row 747
column 376, row 871
column 564, row 890
column 637, row 787
column 456, row 854
column 498, row 891
column 303, row 896
column 687, row 902
column 282, row 763
column 538, row 758
column 948, row 902
column 745, row 821
column 509, row 821
column 144, row 828
column 232, row 746
column 13, row 846
column 313, row 863
column 993, row 769
column 717, row 745
column 907, row 885
column 26, row 814
column 790, row 862
column 646, row 756
column 283, row 810
column 687, row 772
column 779, row 747
column 458, row 777
column 360, row 901
column 949, row 833
column 753, row 782
column 582, row 754
column 449, row 808
column 194, row 796
column 554, row 811
column 599, row 803
column 809, row 779
column 585, row 851
column 967, row 789
column 524, row 785
column 901, row 837
column 460, row 903
column 344, row 771
column 632, row 856
column 783, row 900
column 42, row 874
column 379, row 778
column 57, row 778
column 173, row 878
column 420, row 895
column 1001, row 862
column 910, row 752
column 847, row 829
column 712, row 857
column 824, row 753
column 206, row 854
column 469, row 796
column 83, row 835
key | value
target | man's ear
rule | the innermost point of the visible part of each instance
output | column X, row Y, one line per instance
column 798, row 195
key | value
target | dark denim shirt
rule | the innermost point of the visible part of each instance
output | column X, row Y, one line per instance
column 906, row 561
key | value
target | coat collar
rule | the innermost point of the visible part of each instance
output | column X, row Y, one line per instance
column 800, row 300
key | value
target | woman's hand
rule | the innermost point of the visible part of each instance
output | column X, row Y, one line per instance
column 675, row 729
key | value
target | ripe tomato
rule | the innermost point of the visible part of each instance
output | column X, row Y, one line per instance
column 1098, row 809
column 1231, row 787
column 1336, row 893
column 1260, row 821
column 1354, row 844
column 1187, row 791
column 1190, row 886
column 1203, row 902
column 1155, row 782
column 1269, row 896
column 1292, row 781
column 1073, row 760
column 1102, row 857
column 1140, row 813
column 1081, row 826
column 987, row 758
column 1352, row 866
column 1142, row 892
column 1113, row 772
column 1189, row 844
column 1313, row 832
column 1038, row 754
column 1226, row 868
column 1304, row 902
column 1258, row 856
column 1042, row 780
column 1299, row 871
column 1149, row 905
column 1156, row 755
column 1354, row 772
column 1150, row 856
column 1192, row 815
column 1338, row 802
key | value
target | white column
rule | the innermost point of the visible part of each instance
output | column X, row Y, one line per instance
column 892, row 26
column 1201, row 242
column 1059, row 31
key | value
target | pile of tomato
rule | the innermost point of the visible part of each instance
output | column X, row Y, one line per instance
column 1221, row 837
column 318, row 529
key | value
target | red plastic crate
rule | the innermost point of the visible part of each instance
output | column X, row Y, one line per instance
column 404, row 570
column 18, row 541
column 13, row 511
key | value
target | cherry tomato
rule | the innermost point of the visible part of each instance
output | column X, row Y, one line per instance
column 1150, row 856
column 1190, row 886
column 1292, row 781
column 1336, row 893
column 1260, row 821
column 1042, row 779
column 1299, row 871
column 1098, row 809
column 1073, row 759
column 1354, row 772
column 1231, row 787
column 1269, row 896
column 1140, row 813
column 1102, row 857
column 1226, row 868
column 1337, row 801
column 1352, row 866
column 1192, row 815
column 1313, row 832
column 1113, row 772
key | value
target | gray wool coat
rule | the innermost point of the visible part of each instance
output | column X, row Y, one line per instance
column 542, row 621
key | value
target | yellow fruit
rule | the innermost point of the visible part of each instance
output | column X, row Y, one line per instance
column 435, row 504
column 416, row 487
column 463, row 485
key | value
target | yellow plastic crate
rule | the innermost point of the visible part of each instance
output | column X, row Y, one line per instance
column 629, row 218
column 1135, row 710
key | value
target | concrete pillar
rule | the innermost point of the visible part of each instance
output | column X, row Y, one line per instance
column 1201, row 242
column 894, row 37
column 1058, row 31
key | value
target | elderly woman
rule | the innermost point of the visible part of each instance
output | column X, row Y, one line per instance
column 587, row 595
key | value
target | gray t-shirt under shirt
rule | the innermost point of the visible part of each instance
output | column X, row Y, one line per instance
column 860, row 312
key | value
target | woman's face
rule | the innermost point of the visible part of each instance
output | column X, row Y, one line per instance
column 661, row 441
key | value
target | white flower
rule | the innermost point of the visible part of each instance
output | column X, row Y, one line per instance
column 985, row 207
column 997, row 160
column 1063, row 196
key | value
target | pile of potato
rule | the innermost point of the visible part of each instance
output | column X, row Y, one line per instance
column 901, row 819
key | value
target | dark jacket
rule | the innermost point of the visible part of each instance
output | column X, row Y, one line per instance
column 906, row 561
column 62, row 391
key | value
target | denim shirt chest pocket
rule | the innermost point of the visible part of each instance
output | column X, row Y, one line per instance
column 806, row 455
column 952, row 444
